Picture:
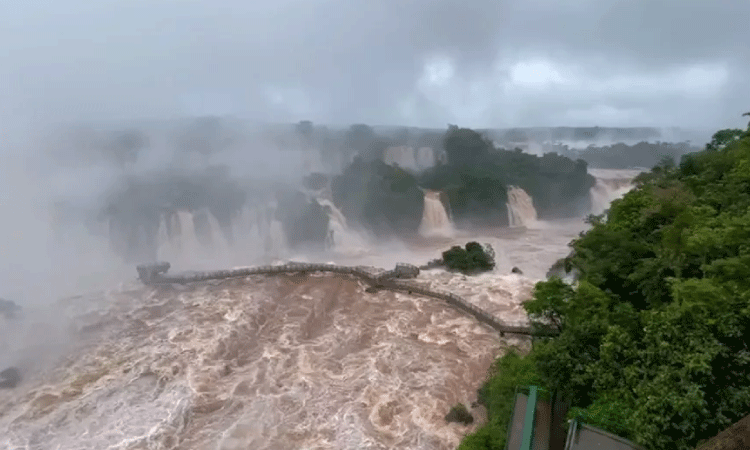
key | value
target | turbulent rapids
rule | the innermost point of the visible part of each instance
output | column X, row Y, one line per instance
column 287, row 362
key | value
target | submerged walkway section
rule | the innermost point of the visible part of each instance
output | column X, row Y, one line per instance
column 393, row 280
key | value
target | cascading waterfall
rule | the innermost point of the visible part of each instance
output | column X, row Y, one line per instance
column 435, row 219
column 521, row 211
column 402, row 156
column 276, row 245
column 177, row 237
column 165, row 239
column 426, row 158
column 219, row 242
column 247, row 229
column 189, row 236
column 340, row 236
column 610, row 185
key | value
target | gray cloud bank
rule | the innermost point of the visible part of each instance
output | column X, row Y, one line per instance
column 484, row 63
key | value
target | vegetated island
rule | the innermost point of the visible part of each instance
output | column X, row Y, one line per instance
column 472, row 259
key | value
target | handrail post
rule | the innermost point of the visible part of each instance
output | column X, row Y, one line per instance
column 528, row 424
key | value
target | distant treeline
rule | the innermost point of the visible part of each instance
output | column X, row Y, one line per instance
column 206, row 135
column 623, row 156
column 541, row 134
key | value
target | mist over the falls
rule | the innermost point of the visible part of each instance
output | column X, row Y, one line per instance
column 451, row 152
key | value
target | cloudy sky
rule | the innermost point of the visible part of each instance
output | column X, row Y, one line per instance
column 479, row 63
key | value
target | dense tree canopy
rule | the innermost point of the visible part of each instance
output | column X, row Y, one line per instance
column 478, row 174
column 383, row 198
column 465, row 146
column 653, row 342
column 623, row 156
column 470, row 260
column 475, row 181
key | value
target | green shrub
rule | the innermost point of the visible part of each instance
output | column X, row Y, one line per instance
column 498, row 396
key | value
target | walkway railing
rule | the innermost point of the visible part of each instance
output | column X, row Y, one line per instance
column 154, row 274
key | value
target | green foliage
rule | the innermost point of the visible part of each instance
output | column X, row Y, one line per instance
column 465, row 146
column 498, row 395
column 473, row 259
column 477, row 177
column 675, row 254
column 384, row 198
column 305, row 222
column 653, row 337
column 622, row 156
column 359, row 138
column 475, row 181
column 721, row 138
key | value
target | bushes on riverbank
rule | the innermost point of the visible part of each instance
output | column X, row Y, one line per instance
column 653, row 338
column 497, row 395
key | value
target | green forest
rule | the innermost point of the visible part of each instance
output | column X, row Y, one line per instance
column 623, row 156
column 388, row 199
column 652, row 343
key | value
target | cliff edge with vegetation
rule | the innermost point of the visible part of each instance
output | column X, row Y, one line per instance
column 653, row 343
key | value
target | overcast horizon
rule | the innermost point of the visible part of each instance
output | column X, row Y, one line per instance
column 484, row 64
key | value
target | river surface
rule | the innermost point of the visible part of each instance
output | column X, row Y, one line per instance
column 284, row 362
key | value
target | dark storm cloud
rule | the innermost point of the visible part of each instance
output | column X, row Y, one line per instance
column 604, row 62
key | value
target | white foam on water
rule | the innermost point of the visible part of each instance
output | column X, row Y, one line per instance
column 280, row 362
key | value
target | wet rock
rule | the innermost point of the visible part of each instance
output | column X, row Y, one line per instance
column 460, row 414
column 9, row 378
column 147, row 272
column 9, row 309
column 434, row 264
column 516, row 270
column 404, row 270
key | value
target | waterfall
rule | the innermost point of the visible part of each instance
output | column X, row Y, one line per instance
column 521, row 212
column 190, row 236
column 177, row 237
column 435, row 220
column 425, row 158
column 340, row 236
column 610, row 185
column 276, row 246
column 246, row 228
column 165, row 239
column 403, row 156
column 218, row 240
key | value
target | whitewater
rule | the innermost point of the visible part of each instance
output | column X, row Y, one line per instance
column 289, row 361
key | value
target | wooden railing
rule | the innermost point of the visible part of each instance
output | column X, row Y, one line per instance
column 155, row 274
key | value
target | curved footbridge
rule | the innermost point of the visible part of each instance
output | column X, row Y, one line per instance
column 393, row 280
